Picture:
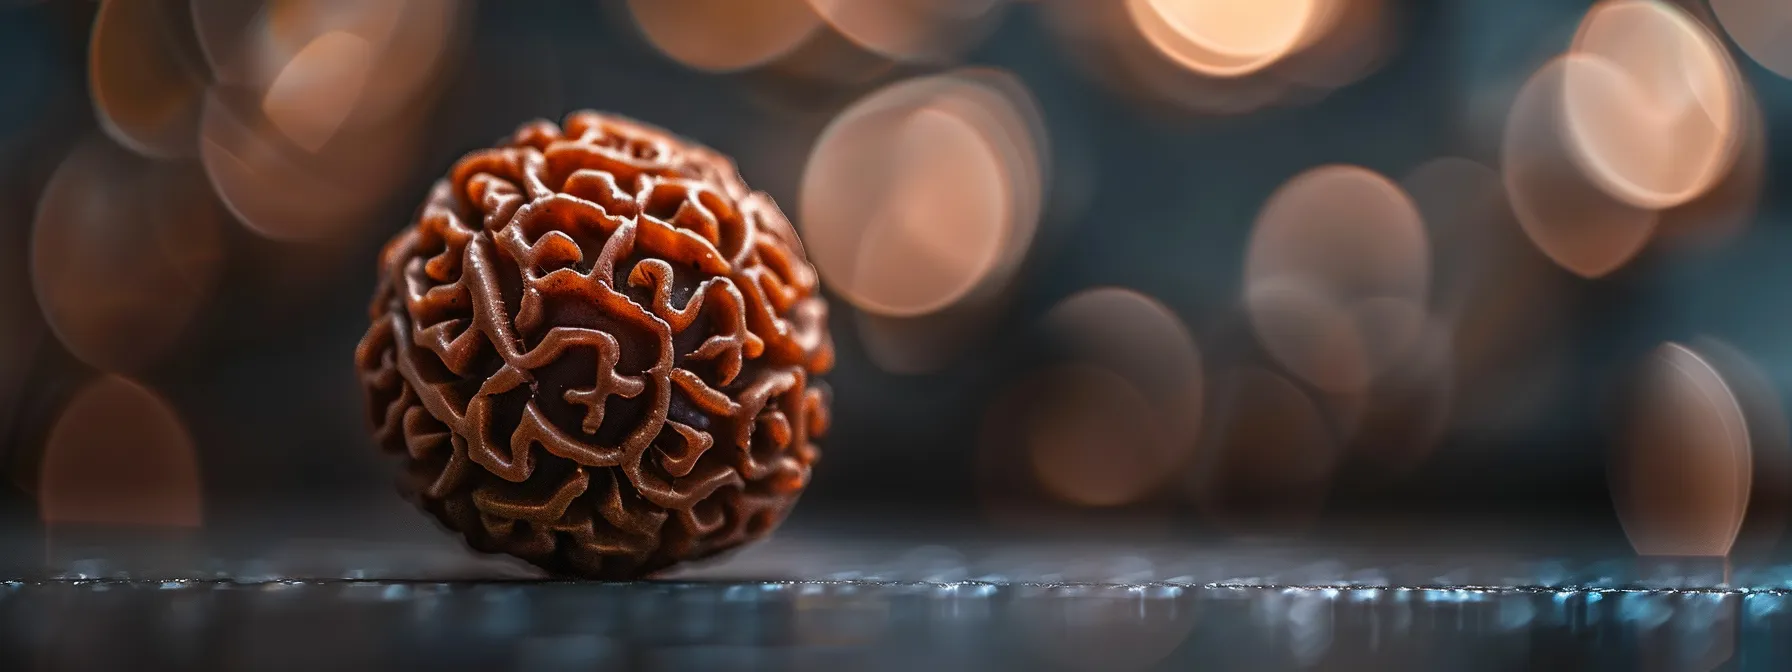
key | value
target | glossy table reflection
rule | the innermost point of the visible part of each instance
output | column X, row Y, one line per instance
column 820, row 598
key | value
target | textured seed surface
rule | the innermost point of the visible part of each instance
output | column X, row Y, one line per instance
column 596, row 349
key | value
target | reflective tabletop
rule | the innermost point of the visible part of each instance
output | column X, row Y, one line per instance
column 821, row 596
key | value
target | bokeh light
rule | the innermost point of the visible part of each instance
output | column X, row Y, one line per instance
column 1681, row 472
column 224, row 29
column 316, row 91
column 279, row 190
column 1123, row 413
column 1348, row 41
column 911, row 30
column 119, row 455
column 1769, row 441
column 1142, row 340
column 1395, row 425
column 1726, row 209
column 725, row 35
column 124, row 251
column 1228, row 38
column 411, row 43
column 318, row 107
column 923, row 194
column 1337, row 276
column 1270, row 455
column 1643, row 127
column 1225, row 56
column 1760, row 27
column 818, row 72
column 1501, row 301
column 1467, row 219
column 919, row 204
column 1026, row 478
column 922, row 344
column 947, row 204
column 1093, row 438
column 144, row 76
column 1564, row 213
column 1654, row 115
column 1074, row 438
column 1511, row 363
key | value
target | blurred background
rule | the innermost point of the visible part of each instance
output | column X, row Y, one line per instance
column 1509, row 273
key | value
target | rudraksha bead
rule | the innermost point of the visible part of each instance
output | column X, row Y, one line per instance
column 596, row 349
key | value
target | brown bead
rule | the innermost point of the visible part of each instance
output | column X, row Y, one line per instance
column 596, row 350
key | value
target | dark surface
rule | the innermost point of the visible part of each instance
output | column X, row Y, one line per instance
column 825, row 598
column 879, row 626
column 383, row 590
